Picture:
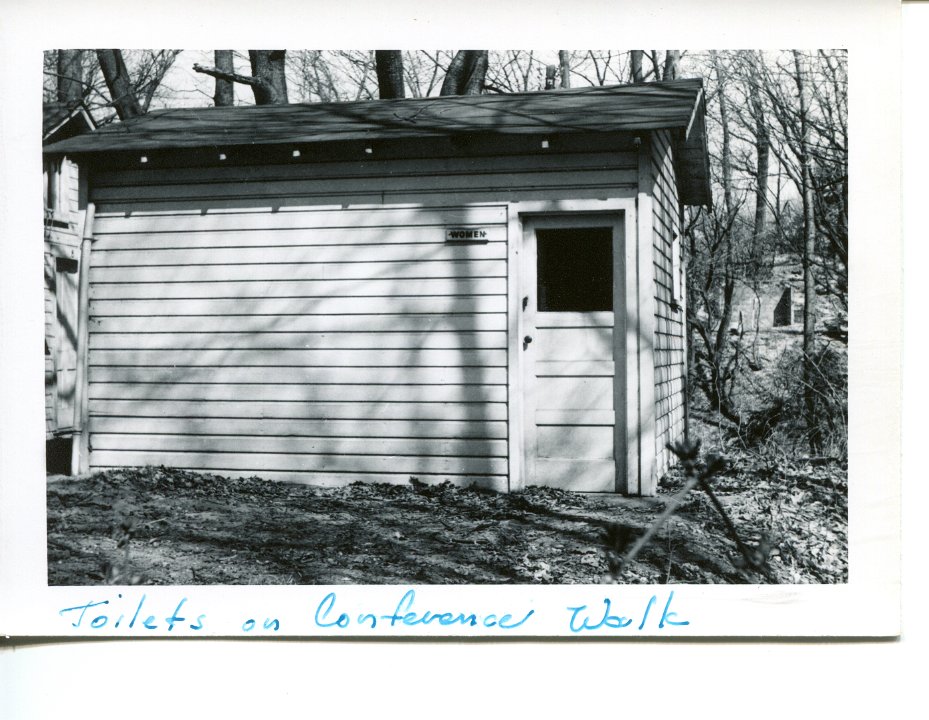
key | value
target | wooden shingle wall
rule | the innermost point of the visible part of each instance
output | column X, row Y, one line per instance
column 310, row 322
column 670, row 348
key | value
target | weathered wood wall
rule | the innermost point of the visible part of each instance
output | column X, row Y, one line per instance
column 670, row 350
column 310, row 322
column 61, row 240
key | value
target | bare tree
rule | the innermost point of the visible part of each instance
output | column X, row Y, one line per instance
column 268, row 80
column 762, row 150
column 713, row 272
column 600, row 67
column 809, row 249
column 422, row 71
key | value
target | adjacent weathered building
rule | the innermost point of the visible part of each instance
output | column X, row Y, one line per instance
column 483, row 289
column 63, row 215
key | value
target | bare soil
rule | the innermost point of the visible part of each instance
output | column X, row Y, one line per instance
column 162, row 526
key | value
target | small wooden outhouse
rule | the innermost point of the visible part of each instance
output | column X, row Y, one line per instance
column 486, row 290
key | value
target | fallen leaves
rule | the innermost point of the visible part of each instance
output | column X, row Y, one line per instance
column 208, row 529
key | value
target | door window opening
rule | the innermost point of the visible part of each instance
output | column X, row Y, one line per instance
column 575, row 269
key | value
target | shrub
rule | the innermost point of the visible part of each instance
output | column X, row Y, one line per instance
column 776, row 411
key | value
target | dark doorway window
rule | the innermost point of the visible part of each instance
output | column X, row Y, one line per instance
column 575, row 269
column 65, row 265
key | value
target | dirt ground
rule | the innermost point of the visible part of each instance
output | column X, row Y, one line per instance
column 161, row 526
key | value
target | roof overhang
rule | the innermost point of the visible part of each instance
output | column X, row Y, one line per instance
column 693, row 159
column 594, row 112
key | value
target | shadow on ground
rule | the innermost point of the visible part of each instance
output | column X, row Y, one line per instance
column 161, row 526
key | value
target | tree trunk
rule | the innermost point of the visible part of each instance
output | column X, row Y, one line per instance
column 224, row 94
column 116, row 75
column 762, row 163
column 722, row 332
column 564, row 61
column 268, row 69
column 389, row 65
column 672, row 61
column 809, row 250
column 466, row 73
column 475, row 81
column 637, row 75
column 551, row 72
column 70, row 76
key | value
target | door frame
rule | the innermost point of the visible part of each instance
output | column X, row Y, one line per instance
column 627, row 397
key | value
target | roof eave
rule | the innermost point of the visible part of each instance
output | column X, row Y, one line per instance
column 693, row 165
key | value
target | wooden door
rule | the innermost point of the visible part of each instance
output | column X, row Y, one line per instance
column 572, row 290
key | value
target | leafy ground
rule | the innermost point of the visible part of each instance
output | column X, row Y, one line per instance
column 162, row 526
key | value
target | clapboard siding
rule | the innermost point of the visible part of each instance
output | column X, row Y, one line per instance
column 372, row 392
column 376, row 305
column 271, row 374
column 302, row 358
column 277, row 188
column 361, row 270
column 145, row 421
column 276, row 341
column 301, row 340
column 419, row 252
column 375, row 237
column 386, row 186
column 412, row 168
column 366, row 287
column 309, row 323
column 300, row 462
column 669, row 320
column 304, row 445
column 194, row 224
column 320, row 180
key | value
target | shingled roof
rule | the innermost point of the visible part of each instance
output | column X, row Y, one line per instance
column 676, row 105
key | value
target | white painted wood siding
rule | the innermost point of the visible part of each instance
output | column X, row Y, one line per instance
column 338, row 345
column 310, row 322
column 670, row 344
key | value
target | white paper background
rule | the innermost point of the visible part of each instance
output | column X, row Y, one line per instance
column 136, row 678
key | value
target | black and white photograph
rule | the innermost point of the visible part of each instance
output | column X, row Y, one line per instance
column 446, row 317
column 381, row 379
column 386, row 378
column 390, row 342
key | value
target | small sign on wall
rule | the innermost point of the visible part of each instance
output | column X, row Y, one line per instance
column 467, row 235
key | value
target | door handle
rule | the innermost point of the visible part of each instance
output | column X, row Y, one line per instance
column 526, row 341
